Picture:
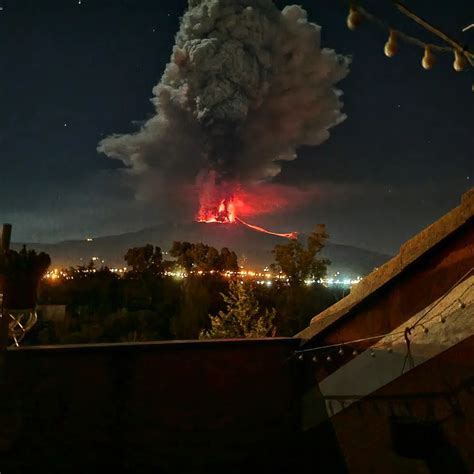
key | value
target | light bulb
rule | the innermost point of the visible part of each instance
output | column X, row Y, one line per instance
column 329, row 358
column 354, row 352
column 391, row 47
column 300, row 357
column 353, row 19
column 428, row 59
column 341, row 352
column 315, row 359
column 459, row 63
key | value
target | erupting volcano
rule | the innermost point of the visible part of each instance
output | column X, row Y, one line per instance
column 226, row 213
column 247, row 84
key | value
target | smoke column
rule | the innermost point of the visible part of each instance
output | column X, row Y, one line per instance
column 245, row 86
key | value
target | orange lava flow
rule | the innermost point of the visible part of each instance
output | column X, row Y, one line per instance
column 288, row 235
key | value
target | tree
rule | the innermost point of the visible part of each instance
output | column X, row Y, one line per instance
column 228, row 260
column 146, row 259
column 203, row 257
column 194, row 305
column 300, row 263
column 242, row 317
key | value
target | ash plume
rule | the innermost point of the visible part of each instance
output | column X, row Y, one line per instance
column 246, row 85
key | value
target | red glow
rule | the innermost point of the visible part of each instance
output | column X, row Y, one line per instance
column 222, row 213
column 225, row 212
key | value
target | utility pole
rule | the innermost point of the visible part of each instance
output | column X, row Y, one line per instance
column 4, row 247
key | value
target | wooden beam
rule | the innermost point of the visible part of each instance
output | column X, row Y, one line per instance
column 6, row 237
column 4, row 247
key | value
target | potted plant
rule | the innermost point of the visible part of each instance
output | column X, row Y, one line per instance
column 20, row 273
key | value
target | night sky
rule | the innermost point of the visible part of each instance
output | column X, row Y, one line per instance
column 73, row 72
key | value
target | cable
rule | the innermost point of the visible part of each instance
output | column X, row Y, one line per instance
column 442, row 297
column 397, row 333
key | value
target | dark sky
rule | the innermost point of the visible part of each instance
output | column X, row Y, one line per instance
column 74, row 72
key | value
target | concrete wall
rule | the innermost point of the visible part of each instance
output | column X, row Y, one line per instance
column 173, row 406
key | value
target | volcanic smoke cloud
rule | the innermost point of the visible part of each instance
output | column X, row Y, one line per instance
column 246, row 85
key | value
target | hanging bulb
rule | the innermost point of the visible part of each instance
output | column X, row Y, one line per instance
column 353, row 19
column 341, row 352
column 391, row 47
column 462, row 305
column 428, row 59
column 315, row 359
column 389, row 349
column 459, row 63
column 329, row 358
column 354, row 352
column 372, row 353
column 300, row 357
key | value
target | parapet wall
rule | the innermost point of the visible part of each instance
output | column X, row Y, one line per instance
column 173, row 406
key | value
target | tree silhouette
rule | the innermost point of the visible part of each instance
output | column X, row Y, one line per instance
column 203, row 257
column 242, row 317
column 299, row 262
column 146, row 259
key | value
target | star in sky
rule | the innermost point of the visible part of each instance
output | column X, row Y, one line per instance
column 94, row 73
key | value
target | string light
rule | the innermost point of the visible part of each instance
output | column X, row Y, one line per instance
column 339, row 346
column 428, row 59
column 354, row 18
column 391, row 47
column 397, row 334
column 459, row 62
column 462, row 56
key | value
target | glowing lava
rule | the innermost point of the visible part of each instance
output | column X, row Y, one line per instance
column 225, row 213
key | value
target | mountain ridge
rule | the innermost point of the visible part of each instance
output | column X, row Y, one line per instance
column 252, row 248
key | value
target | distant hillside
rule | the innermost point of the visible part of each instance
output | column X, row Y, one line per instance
column 253, row 248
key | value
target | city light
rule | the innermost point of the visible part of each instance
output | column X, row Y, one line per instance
column 266, row 277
